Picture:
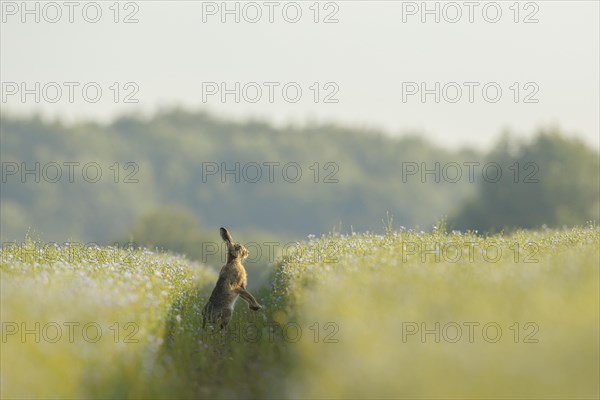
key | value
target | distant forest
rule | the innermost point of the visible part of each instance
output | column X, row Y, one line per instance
column 181, row 171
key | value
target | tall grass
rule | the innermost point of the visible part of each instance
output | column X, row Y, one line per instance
column 80, row 321
column 103, row 322
column 507, row 316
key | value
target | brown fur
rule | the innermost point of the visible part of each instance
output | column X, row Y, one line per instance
column 231, row 285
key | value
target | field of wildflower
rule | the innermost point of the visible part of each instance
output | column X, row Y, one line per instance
column 402, row 314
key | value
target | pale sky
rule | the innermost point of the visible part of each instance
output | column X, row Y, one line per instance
column 374, row 55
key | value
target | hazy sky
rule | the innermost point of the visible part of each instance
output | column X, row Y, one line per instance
column 375, row 61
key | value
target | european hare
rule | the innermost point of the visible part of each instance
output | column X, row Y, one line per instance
column 231, row 284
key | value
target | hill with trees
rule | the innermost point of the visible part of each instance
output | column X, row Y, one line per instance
column 188, row 171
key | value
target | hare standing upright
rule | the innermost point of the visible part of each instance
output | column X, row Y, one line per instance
column 231, row 284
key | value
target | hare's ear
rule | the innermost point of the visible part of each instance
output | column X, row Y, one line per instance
column 226, row 236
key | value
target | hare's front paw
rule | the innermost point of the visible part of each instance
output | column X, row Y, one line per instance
column 256, row 307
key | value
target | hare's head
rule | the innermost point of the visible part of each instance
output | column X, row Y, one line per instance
column 234, row 250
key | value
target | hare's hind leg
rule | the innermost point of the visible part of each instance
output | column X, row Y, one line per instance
column 204, row 318
column 207, row 314
column 224, row 318
column 252, row 303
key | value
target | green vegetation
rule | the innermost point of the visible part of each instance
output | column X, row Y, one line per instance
column 372, row 170
column 491, row 311
column 551, row 181
column 539, row 287
column 99, row 312
column 360, row 301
